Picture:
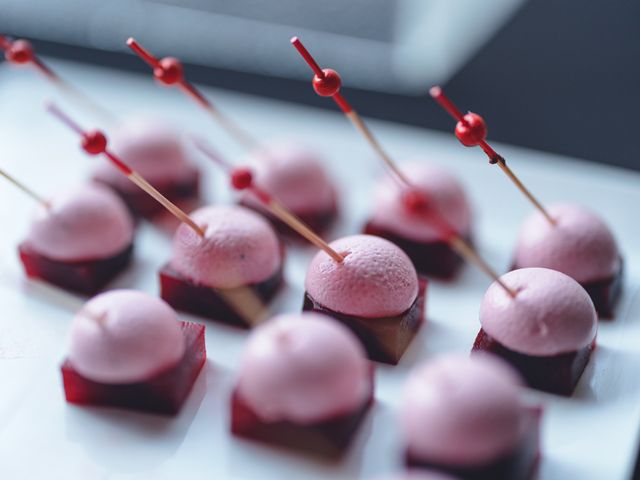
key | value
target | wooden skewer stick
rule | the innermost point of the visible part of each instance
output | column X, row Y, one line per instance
column 326, row 82
column 418, row 203
column 463, row 249
column 169, row 71
column 21, row 186
column 242, row 178
column 471, row 130
column 21, row 52
column 94, row 142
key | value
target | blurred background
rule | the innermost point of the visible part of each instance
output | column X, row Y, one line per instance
column 554, row 76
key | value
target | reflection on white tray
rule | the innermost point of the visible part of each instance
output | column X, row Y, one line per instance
column 590, row 436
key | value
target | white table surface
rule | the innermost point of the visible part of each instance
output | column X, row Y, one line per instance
column 590, row 436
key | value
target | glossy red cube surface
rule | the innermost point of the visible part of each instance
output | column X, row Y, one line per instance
column 557, row 374
column 518, row 464
column 328, row 438
column 187, row 296
column 86, row 276
column 164, row 393
column 384, row 339
column 434, row 259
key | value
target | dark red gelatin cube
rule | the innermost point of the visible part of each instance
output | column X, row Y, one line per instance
column 328, row 438
column 165, row 393
column 182, row 294
column 519, row 464
column 177, row 190
column 385, row 339
column 605, row 293
column 434, row 259
column 557, row 374
column 83, row 276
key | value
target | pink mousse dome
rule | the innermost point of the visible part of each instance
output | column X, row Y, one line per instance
column 294, row 175
column 580, row 244
column 87, row 222
column 376, row 278
column 551, row 313
column 303, row 368
column 125, row 336
column 462, row 411
column 153, row 148
column 240, row 248
column 446, row 191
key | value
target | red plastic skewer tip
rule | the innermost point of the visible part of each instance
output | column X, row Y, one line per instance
column 241, row 178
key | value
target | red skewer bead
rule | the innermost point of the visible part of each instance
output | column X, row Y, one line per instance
column 418, row 203
column 20, row 52
column 472, row 130
column 94, row 142
column 414, row 200
column 241, row 178
column 327, row 85
column 169, row 71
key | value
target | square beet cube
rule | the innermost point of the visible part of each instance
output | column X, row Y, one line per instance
column 605, row 293
column 328, row 438
column 519, row 464
column 557, row 374
column 384, row 339
column 434, row 259
column 83, row 276
column 187, row 296
column 165, row 393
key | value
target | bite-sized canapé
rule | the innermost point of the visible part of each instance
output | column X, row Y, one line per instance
column 304, row 383
column 295, row 176
column 580, row 245
column 547, row 332
column 375, row 292
column 157, row 151
column 128, row 349
column 232, row 273
column 420, row 239
column 464, row 416
column 81, row 241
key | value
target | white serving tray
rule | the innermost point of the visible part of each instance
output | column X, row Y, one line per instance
column 590, row 436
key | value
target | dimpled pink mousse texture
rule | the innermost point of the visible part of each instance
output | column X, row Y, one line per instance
column 239, row 248
column 303, row 368
column 294, row 175
column 87, row 222
column 580, row 244
column 460, row 410
column 376, row 278
column 153, row 148
column 551, row 313
column 447, row 193
column 125, row 336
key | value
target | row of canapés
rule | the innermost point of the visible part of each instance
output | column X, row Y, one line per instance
column 305, row 383
column 567, row 238
column 228, row 265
